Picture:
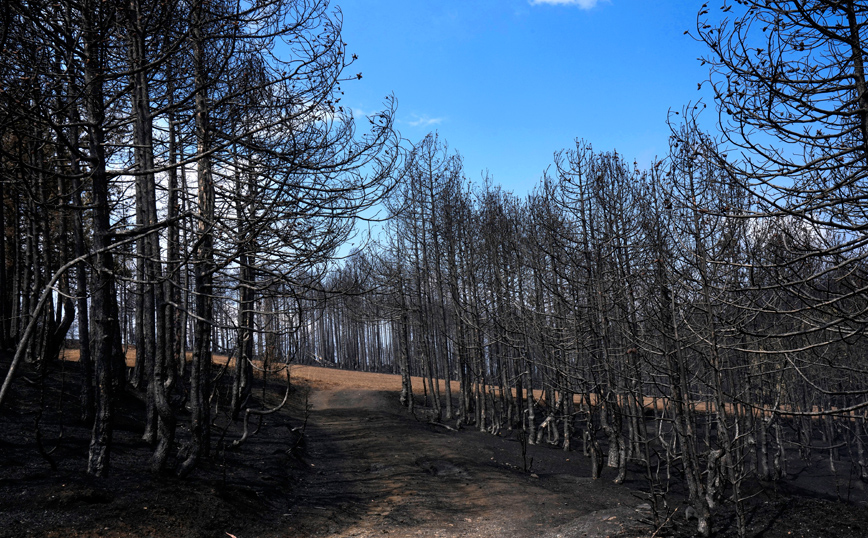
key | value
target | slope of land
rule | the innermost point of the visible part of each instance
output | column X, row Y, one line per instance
column 364, row 467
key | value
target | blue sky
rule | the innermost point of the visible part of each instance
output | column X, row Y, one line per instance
column 509, row 82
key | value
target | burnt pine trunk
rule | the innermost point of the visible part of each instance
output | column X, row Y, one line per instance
column 148, row 250
column 168, row 319
column 174, row 336
column 102, row 297
column 7, row 298
column 85, row 359
column 160, row 421
column 200, row 368
column 406, row 379
column 243, row 370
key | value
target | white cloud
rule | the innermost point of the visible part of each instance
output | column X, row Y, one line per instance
column 583, row 4
column 424, row 121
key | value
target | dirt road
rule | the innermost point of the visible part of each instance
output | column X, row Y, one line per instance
column 378, row 471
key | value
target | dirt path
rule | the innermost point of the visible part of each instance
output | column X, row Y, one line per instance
column 378, row 471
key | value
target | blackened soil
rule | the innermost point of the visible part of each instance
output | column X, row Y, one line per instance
column 363, row 467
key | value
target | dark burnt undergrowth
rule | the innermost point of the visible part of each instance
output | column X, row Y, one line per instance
column 342, row 477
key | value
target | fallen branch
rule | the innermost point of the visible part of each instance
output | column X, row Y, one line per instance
column 663, row 524
column 450, row 428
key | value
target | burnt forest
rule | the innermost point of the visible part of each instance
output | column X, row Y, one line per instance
column 231, row 306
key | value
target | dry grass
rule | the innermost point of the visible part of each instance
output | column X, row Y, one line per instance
column 316, row 375
column 330, row 377
column 321, row 377
column 73, row 355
